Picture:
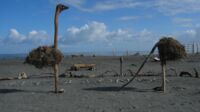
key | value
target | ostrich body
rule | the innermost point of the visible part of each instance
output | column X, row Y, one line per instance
column 48, row 56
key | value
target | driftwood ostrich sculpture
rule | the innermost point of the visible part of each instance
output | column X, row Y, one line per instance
column 169, row 49
column 44, row 56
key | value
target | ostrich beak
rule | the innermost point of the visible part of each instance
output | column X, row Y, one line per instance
column 65, row 7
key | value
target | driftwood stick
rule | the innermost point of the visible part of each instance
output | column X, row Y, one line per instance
column 20, row 76
column 184, row 73
column 56, row 79
column 146, row 59
column 121, row 66
column 196, row 73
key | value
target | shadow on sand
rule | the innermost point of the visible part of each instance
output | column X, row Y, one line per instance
column 4, row 91
column 116, row 89
column 7, row 91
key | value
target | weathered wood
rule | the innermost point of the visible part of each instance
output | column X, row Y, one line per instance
column 121, row 66
column 184, row 73
column 196, row 73
column 20, row 76
column 78, row 66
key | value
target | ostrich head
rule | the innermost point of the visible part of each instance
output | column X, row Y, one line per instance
column 61, row 7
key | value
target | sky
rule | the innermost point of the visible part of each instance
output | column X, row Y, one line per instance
column 97, row 25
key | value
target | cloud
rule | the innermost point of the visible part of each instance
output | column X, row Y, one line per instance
column 117, row 4
column 37, row 36
column 132, row 18
column 34, row 37
column 190, row 35
column 167, row 7
column 129, row 18
column 14, row 37
column 94, row 32
column 91, row 32
column 103, row 5
column 184, row 22
column 173, row 7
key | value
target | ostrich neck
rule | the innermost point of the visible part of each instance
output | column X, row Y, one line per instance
column 56, row 30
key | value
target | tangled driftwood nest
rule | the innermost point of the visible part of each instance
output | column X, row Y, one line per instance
column 44, row 56
column 170, row 49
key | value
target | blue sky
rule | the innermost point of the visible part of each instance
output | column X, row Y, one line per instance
column 97, row 25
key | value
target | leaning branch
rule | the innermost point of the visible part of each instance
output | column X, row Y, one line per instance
column 146, row 59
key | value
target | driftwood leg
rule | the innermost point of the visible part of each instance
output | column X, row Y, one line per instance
column 56, row 80
column 163, row 77
column 163, row 87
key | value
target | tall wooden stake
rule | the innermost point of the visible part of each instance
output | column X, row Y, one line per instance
column 121, row 67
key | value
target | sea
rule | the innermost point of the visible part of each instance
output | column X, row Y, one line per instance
column 122, row 53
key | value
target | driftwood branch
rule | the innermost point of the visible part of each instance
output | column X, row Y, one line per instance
column 146, row 59
column 20, row 76
column 196, row 73
column 184, row 73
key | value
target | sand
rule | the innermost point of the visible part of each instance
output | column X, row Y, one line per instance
column 99, row 94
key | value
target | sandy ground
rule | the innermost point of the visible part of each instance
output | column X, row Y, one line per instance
column 99, row 94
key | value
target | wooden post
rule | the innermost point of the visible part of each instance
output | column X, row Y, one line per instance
column 197, row 45
column 127, row 53
column 121, row 66
column 113, row 52
column 193, row 48
column 196, row 73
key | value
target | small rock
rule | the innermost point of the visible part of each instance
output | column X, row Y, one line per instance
column 87, row 81
column 22, row 75
column 179, row 88
column 22, row 83
column 100, row 80
column 61, row 91
column 122, row 81
column 117, row 81
column 37, row 83
column 68, row 82
column 128, row 80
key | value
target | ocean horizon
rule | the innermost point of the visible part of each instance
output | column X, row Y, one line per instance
column 120, row 53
